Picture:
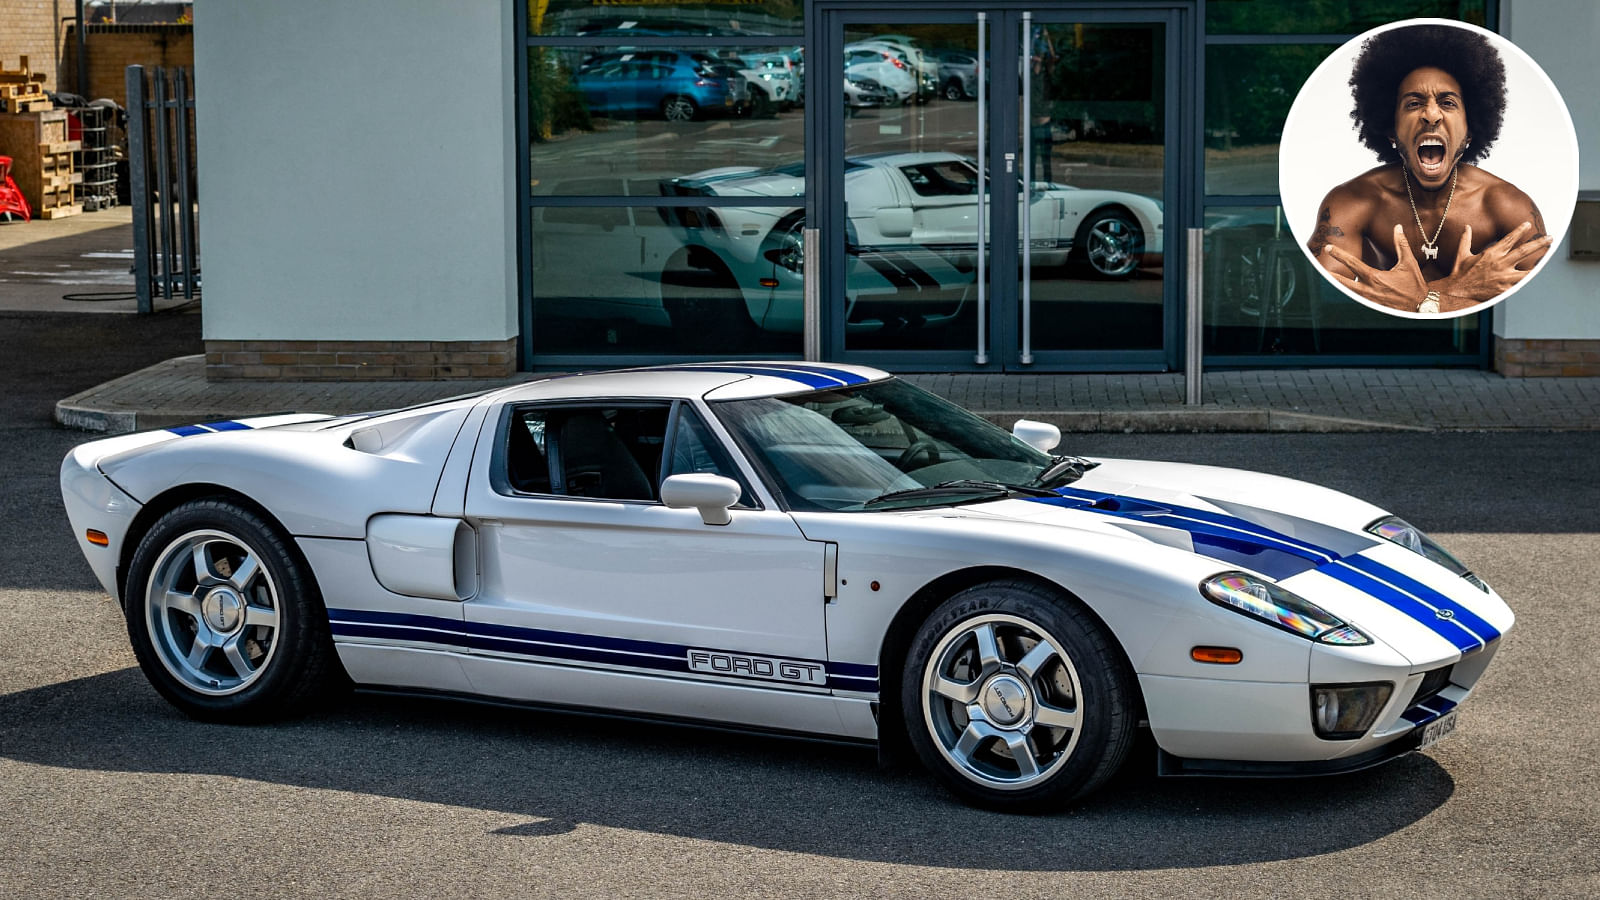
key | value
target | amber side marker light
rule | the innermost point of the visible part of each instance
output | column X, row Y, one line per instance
column 769, row 282
column 97, row 538
column 1222, row 656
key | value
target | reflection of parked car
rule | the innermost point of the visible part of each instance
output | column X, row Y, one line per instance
column 1261, row 293
column 923, row 63
column 674, row 84
column 958, row 75
column 777, row 70
column 864, row 93
column 910, row 236
column 884, row 64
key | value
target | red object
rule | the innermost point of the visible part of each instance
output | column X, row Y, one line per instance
column 13, row 206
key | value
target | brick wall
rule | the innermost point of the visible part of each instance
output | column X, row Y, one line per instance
column 33, row 28
column 359, row 360
column 1533, row 358
column 113, row 48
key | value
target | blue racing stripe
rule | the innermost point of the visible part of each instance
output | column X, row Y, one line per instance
column 229, row 425
column 849, row 378
column 1459, row 614
column 1411, row 606
column 1428, row 710
column 1279, row 556
column 545, row 644
column 187, row 430
column 806, row 378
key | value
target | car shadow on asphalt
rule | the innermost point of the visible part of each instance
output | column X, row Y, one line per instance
column 551, row 772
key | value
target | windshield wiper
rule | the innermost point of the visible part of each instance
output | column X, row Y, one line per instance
column 978, row 489
column 1063, row 470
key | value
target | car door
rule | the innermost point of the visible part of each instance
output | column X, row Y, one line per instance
column 583, row 567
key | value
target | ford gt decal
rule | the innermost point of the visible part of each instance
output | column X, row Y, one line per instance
column 1239, row 541
column 540, row 644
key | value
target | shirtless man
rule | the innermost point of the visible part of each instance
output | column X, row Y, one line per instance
column 1429, row 231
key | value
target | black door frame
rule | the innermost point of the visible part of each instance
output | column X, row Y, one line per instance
column 1182, row 163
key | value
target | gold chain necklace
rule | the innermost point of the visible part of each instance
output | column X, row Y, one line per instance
column 1430, row 248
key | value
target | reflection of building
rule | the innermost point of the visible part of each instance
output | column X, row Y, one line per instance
column 466, row 189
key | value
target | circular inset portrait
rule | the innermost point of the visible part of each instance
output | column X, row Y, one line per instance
column 1428, row 168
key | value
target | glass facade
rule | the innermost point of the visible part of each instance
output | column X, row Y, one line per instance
column 670, row 152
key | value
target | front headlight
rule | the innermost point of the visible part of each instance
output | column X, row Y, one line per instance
column 1274, row 605
column 1399, row 531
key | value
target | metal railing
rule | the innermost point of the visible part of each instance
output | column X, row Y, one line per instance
column 162, row 185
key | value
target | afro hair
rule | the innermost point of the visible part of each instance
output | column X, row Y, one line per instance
column 1387, row 58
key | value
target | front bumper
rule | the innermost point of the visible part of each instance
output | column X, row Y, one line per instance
column 1210, row 726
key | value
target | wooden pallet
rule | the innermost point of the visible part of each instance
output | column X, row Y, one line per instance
column 42, row 160
column 30, row 104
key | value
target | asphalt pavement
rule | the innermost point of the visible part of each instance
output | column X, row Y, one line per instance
column 105, row 790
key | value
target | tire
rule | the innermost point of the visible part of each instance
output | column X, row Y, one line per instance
column 225, row 617
column 953, row 90
column 1004, row 724
column 1110, row 242
column 679, row 108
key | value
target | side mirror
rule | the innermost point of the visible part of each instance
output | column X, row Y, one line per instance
column 1041, row 436
column 711, row 494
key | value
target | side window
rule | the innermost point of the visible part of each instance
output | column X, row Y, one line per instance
column 610, row 453
column 695, row 449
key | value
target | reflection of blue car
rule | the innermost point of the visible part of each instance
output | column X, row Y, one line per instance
column 676, row 85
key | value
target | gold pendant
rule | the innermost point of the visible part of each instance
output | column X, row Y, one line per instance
column 1430, row 252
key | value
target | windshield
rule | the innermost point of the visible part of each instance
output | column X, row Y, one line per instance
column 841, row 449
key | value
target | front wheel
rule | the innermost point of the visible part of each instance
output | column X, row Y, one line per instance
column 224, row 616
column 1017, row 698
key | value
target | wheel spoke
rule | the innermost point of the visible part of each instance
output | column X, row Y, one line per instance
column 246, row 570
column 185, row 603
column 202, row 564
column 988, row 647
column 955, row 690
column 241, row 666
column 1056, row 717
column 200, row 649
column 264, row 616
column 1036, row 658
column 971, row 739
column 1027, row 766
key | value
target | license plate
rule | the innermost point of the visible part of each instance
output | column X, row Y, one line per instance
column 1438, row 729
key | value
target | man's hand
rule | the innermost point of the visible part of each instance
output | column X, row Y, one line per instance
column 1401, row 287
column 1485, row 276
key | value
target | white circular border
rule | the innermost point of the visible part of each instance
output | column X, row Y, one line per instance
column 1335, row 154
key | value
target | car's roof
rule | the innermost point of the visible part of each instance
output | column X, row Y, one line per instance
column 712, row 380
column 908, row 158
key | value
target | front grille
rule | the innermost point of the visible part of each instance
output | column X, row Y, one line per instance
column 1427, row 705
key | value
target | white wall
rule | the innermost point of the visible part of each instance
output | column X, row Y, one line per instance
column 1563, row 300
column 357, row 168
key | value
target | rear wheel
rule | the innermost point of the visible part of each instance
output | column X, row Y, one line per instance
column 1110, row 242
column 679, row 109
column 224, row 616
column 1017, row 698
column 953, row 90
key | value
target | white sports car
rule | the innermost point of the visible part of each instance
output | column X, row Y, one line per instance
column 802, row 548
column 910, row 236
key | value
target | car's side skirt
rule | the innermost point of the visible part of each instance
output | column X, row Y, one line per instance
column 610, row 691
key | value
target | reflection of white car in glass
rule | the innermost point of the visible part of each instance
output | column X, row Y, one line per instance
column 910, row 236
column 885, row 64
column 812, row 549
column 773, row 74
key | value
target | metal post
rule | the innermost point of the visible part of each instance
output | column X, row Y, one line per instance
column 83, row 60
column 812, row 295
column 169, row 204
column 185, row 170
column 139, row 186
column 1192, row 318
column 1026, row 356
column 982, row 356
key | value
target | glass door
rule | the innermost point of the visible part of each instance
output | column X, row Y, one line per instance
column 998, row 184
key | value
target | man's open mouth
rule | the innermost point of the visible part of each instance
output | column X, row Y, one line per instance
column 1430, row 157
